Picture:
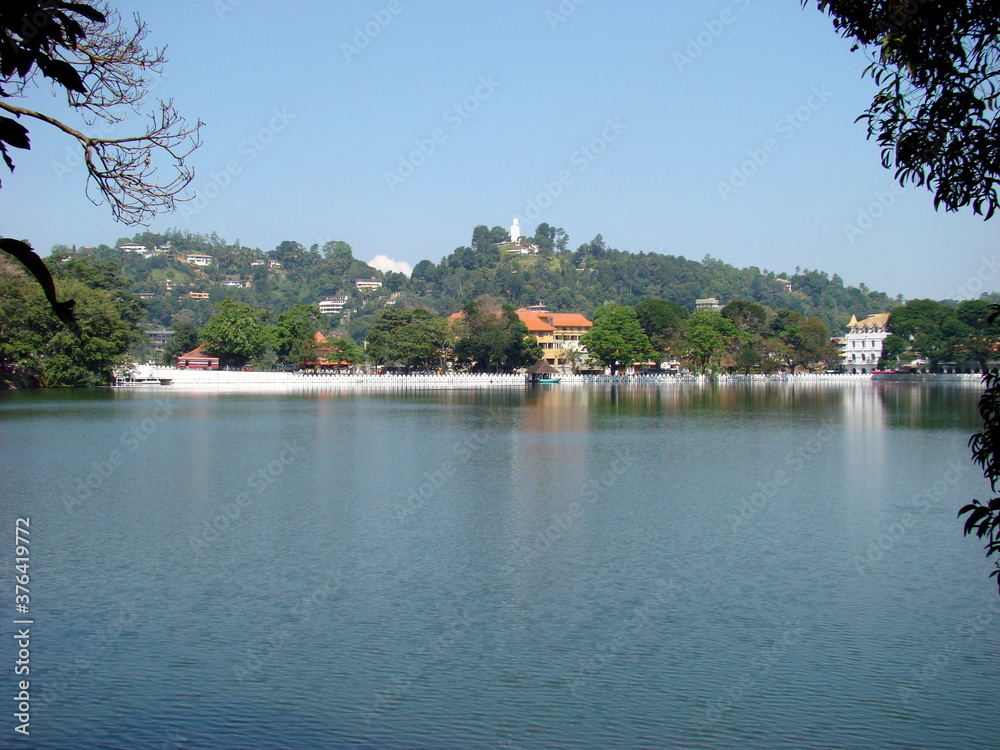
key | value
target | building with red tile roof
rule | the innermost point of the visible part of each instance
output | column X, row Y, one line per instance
column 558, row 333
column 196, row 359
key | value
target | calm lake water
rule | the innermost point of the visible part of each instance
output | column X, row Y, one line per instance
column 767, row 566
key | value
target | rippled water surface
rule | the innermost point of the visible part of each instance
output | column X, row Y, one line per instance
column 772, row 566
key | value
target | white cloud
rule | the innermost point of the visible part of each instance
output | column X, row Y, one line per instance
column 384, row 263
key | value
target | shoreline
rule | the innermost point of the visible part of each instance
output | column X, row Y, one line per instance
column 214, row 379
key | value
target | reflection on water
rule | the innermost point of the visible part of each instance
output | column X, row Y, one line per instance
column 686, row 565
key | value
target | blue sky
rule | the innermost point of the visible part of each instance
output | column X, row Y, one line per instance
column 688, row 128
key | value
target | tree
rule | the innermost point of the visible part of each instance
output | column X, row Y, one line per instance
column 185, row 338
column 708, row 334
column 37, row 349
column 930, row 329
column 337, row 250
column 662, row 321
column 749, row 350
column 984, row 517
column 407, row 338
column 292, row 336
column 935, row 114
column 235, row 334
column 105, row 72
column 491, row 338
column 480, row 238
column 346, row 349
column 617, row 339
column 983, row 339
column 804, row 340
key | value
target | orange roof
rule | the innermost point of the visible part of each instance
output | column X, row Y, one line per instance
column 534, row 323
column 196, row 353
column 319, row 338
column 456, row 316
column 569, row 320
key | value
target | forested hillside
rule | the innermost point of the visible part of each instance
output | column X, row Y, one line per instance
column 544, row 271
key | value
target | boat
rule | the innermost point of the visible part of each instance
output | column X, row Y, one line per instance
column 140, row 382
column 547, row 381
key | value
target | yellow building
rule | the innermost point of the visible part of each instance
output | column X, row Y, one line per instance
column 558, row 333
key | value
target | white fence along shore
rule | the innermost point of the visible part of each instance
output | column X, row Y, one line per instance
column 208, row 379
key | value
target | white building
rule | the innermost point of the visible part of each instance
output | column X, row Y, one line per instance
column 141, row 249
column 332, row 305
column 367, row 284
column 708, row 303
column 196, row 259
column 863, row 343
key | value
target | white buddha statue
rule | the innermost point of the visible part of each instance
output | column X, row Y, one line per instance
column 515, row 231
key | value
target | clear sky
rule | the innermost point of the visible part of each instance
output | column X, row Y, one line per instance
column 722, row 127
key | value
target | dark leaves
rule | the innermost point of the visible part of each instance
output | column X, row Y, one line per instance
column 37, row 268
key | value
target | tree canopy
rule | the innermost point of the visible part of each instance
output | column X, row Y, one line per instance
column 37, row 349
column 617, row 339
column 491, row 338
column 104, row 70
column 235, row 334
column 935, row 114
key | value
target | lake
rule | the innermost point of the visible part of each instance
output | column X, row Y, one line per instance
column 674, row 566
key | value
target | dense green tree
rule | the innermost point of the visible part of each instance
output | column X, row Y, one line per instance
column 983, row 340
column 617, row 339
column 804, row 341
column 337, row 250
column 934, row 115
column 491, row 338
column 346, row 349
column 480, row 238
column 293, row 335
column 662, row 321
column 930, row 329
column 186, row 337
column 410, row 339
column 235, row 334
column 37, row 349
column 707, row 337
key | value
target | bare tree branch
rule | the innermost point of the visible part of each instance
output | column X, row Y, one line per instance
column 139, row 175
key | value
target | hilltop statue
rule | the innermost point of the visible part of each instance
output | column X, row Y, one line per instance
column 515, row 231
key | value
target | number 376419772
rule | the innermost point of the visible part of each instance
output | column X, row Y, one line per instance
column 22, row 560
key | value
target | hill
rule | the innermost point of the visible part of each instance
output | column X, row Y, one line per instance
column 179, row 288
